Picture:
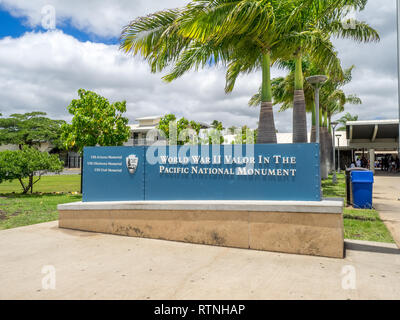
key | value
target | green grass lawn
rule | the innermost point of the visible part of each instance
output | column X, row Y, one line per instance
column 358, row 224
column 47, row 184
column 18, row 210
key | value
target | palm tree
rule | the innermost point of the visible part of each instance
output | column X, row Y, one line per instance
column 245, row 35
column 283, row 87
column 217, row 125
column 332, row 98
column 248, row 34
column 333, row 101
column 346, row 118
column 242, row 35
column 231, row 130
column 310, row 26
column 299, row 26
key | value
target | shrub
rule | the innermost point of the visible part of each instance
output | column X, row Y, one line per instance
column 27, row 163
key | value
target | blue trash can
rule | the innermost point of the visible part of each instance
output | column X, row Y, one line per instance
column 362, row 185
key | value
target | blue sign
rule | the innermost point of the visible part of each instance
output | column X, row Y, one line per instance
column 226, row 172
column 106, row 176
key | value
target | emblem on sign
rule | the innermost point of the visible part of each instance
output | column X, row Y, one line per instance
column 132, row 163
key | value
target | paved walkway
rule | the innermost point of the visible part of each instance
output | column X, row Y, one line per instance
column 386, row 201
column 100, row 266
column 65, row 172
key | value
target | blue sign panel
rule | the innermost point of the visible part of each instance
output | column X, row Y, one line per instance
column 113, row 174
column 228, row 172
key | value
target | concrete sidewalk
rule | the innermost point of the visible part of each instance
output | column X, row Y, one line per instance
column 100, row 266
column 386, row 201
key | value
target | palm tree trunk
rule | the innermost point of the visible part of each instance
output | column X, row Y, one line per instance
column 330, row 143
column 326, row 146
column 320, row 117
column 299, row 106
column 313, row 138
column 323, row 154
column 330, row 151
column 324, row 174
column 266, row 125
column 325, row 119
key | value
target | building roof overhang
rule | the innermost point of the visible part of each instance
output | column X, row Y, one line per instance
column 373, row 134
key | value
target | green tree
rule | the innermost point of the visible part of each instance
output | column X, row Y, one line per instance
column 240, row 34
column 95, row 122
column 246, row 35
column 246, row 136
column 310, row 26
column 346, row 118
column 232, row 129
column 332, row 101
column 332, row 98
column 178, row 132
column 217, row 125
column 214, row 136
column 27, row 163
column 283, row 87
column 30, row 129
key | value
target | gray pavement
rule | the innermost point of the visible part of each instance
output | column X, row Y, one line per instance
column 386, row 201
column 65, row 172
column 100, row 266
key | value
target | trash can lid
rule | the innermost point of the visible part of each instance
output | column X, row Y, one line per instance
column 362, row 177
column 356, row 169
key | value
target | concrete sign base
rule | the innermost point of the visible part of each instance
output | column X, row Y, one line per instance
column 309, row 228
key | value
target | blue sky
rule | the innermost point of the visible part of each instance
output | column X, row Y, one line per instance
column 15, row 27
column 42, row 70
column 10, row 26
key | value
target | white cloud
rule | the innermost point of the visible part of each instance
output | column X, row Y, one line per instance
column 43, row 71
column 375, row 73
column 101, row 17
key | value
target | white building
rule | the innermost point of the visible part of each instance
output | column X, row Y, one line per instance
column 140, row 132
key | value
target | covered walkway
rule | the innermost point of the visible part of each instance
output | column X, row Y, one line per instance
column 376, row 137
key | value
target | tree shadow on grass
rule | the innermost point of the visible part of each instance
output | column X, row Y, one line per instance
column 39, row 195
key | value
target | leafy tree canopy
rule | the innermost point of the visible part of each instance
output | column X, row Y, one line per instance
column 215, row 135
column 27, row 163
column 247, row 136
column 95, row 122
column 30, row 129
column 343, row 120
column 232, row 129
column 217, row 125
column 246, row 36
column 178, row 132
column 332, row 98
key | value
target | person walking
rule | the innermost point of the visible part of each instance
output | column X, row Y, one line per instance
column 364, row 162
column 385, row 163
